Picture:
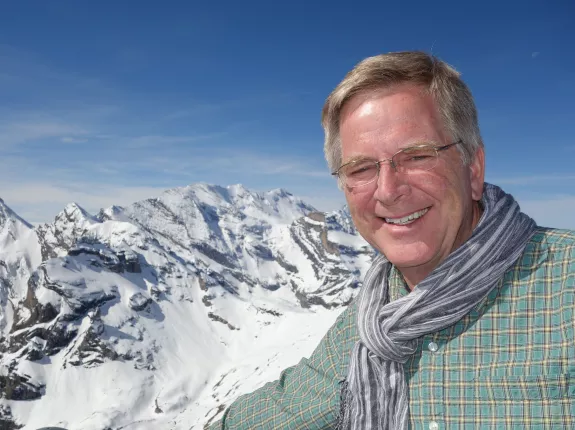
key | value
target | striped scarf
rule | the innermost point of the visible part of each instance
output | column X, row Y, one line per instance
column 375, row 394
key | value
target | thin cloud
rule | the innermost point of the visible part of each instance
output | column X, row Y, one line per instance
column 68, row 139
column 327, row 201
column 41, row 202
column 76, row 124
column 256, row 164
column 20, row 132
column 535, row 54
column 202, row 107
column 27, row 73
column 199, row 109
column 196, row 162
column 161, row 140
column 534, row 179
column 181, row 166
column 556, row 212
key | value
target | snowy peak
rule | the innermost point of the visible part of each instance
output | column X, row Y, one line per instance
column 113, row 212
column 14, row 232
column 279, row 193
column 237, row 190
column 212, row 194
column 74, row 213
column 69, row 225
column 9, row 218
column 212, row 218
column 285, row 203
column 277, row 204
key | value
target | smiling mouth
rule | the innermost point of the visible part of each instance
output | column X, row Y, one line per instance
column 407, row 219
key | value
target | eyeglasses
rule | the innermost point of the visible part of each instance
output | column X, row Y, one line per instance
column 423, row 157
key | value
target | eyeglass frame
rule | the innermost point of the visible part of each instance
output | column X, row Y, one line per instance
column 391, row 162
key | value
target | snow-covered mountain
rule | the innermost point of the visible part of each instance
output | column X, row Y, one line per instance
column 158, row 315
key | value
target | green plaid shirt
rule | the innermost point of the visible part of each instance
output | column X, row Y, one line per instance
column 510, row 363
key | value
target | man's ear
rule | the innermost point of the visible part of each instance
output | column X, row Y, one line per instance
column 477, row 174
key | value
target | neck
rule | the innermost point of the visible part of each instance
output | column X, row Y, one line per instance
column 414, row 275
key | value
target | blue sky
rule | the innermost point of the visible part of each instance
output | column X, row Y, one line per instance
column 111, row 102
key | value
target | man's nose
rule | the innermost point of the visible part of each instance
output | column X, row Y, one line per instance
column 391, row 185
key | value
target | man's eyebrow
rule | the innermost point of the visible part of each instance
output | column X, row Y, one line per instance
column 418, row 143
column 357, row 158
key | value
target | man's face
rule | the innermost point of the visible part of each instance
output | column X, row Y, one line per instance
column 376, row 126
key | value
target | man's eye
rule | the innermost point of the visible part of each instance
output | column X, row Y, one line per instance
column 361, row 170
column 419, row 157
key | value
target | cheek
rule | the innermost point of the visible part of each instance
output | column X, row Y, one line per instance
column 443, row 185
column 361, row 205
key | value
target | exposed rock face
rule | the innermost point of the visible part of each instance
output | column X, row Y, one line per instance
column 6, row 419
column 328, row 261
column 167, row 286
column 119, row 261
column 18, row 387
column 88, row 348
column 139, row 302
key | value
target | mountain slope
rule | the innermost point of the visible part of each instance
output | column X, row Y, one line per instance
column 19, row 256
column 158, row 314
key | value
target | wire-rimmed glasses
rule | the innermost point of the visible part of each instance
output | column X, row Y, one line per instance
column 358, row 173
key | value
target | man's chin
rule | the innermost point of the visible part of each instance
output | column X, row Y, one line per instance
column 407, row 256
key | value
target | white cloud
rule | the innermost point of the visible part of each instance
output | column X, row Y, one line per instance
column 535, row 54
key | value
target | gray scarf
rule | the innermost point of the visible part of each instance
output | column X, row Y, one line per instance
column 375, row 394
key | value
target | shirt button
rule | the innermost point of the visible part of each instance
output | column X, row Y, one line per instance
column 433, row 347
column 433, row 425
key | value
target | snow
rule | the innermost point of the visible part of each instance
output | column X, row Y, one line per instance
column 19, row 256
column 172, row 307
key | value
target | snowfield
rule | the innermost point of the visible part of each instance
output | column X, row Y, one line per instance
column 158, row 315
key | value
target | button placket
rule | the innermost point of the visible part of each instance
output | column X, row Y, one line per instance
column 435, row 360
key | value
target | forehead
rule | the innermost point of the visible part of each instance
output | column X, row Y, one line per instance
column 388, row 119
column 407, row 92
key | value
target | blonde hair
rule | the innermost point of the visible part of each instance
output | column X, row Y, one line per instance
column 452, row 96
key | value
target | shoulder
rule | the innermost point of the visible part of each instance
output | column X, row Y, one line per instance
column 555, row 243
column 553, row 237
column 548, row 260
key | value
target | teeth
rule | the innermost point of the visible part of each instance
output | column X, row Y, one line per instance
column 407, row 219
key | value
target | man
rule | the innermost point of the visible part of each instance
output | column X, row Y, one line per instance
column 467, row 319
